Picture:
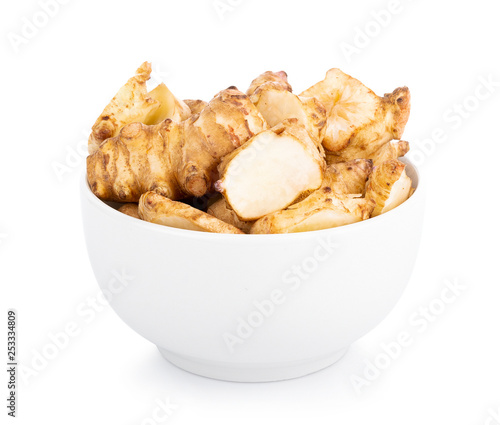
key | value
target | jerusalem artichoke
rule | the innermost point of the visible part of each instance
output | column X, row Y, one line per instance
column 358, row 121
column 276, row 103
column 388, row 186
column 133, row 103
column 160, row 210
column 176, row 160
column 271, row 171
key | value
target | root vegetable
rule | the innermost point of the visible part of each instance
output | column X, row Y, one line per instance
column 196, row 106
column 130, row 209
column 155, row 208
column 388, row 186
column 358, row 121
column 315, row 213
column 276, row 103
column 353, row 175
column 133, row 103
column 277, row 79
column 271, row 171
column 391, row 150
column 221, row 210
column 176, row 160
column 334, row 204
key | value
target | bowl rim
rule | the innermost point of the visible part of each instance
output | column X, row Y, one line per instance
column 278, row 237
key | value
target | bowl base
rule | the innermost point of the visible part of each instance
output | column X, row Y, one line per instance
column 251, row 372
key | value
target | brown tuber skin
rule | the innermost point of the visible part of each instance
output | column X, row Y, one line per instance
column 196, row 106
column 283, row 163
column 276, row 79
column 130, row 209
column 160, row 210
column 221, row 210
column 358, row 121
column 177, row 160
column 133, row 103
column 388, row 186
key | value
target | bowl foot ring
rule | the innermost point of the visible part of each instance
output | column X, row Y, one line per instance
column 251, row 372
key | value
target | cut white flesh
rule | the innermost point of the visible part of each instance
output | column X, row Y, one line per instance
column 317, row 212
column 400, row 192
column 220, row 209
column 271, row 171
column 276, row 105
column 349, row 105
column 160, row 210
column 133, row 103
column 388, row 186
column 324, row 219
column 358, row 121
column 170, row 106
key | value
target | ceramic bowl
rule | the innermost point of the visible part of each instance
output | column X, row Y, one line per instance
column 252, row 308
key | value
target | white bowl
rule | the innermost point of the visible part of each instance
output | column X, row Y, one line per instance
column 252, row 308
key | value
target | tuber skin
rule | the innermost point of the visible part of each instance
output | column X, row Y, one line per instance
column 130, row 209
column 177, row 160
column 279, row 80
column 196, row 106
column 391, row 150
column 268, row 161
column 316, row 212
column 334, row 204
column 358, row 121
column 271, row 171
column 388, row 186
column 221, row 210
column 353, row 174
column 133, row 103
column 276, row 103
column 160, row 210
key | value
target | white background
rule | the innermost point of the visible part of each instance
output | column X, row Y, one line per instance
column 57, row 82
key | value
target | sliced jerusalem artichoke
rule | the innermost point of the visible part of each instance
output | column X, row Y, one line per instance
column 160, row 210
column 176, row 160
column 130, row 209
column 358, row 121
column 315, row 213
column 278, row 79
column 196, row 106
column 133, row 103
column 271, row 171
column 227, row 122
column 353, row 174
column 334, row 204
column 170, row 107
column 276, row 103
column 221, row 210
column 390, row 150
column 136, row 161
column 388, row 186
